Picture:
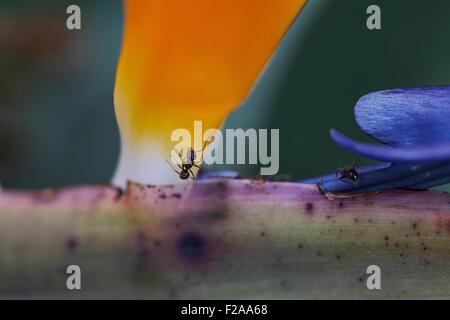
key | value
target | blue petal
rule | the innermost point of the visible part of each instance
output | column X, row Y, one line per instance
column 389, row 176
column 332, row 177
column 406, row 117
column 414, row 154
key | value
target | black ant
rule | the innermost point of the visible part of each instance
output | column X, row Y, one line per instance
column 185, row 168
column 349, row 173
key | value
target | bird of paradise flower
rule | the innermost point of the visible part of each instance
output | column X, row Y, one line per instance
column 413, row 125
column 183, row 61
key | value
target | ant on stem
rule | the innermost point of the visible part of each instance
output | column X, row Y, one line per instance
column 184, row 169
column 349, row 173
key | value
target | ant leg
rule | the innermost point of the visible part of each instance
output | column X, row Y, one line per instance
column 339, row 173
column 356, row 163
column 204, row 146
column 193, row 175
column 173, row 168
column 211, row 140
column 180, row 158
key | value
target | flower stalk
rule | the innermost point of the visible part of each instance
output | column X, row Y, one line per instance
column 224, row 239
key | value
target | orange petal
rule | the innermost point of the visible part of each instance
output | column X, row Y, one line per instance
column 189, row 60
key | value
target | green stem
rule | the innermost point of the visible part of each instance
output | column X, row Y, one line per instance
column 224, row 239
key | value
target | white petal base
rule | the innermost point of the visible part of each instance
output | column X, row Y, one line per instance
column 144, row 165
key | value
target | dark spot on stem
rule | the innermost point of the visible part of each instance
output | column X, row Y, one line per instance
column 46, row 195
column 142, row 256
column 119, row 194
column 142, row 251
column 71, row 243
column 191, row 247
column 309, row 207
column 222, row 185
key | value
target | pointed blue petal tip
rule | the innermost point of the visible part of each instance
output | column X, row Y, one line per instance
column 412, row 154
column 389, row 176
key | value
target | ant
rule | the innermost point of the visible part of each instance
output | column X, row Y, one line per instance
column 185, row 168
column 349, row 173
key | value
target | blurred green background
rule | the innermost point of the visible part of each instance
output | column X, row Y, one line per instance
column 57, row 124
